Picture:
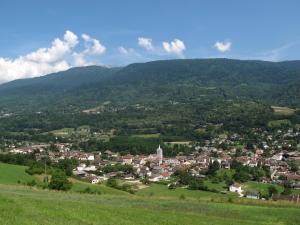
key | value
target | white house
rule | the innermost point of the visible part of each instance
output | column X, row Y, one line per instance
column 81, row 167
column 91, row 157
column 94, row 180
column 90, row 168
column 237, row 188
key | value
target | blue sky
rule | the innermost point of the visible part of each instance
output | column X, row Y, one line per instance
column 123, row 32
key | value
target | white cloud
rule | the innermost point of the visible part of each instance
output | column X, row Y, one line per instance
column 56, row 52
column 59, row 56
column 224, row 46
column 145, row 43
column 79, row 59
column 93, row 46
column 41, row 61
column 176, row 47
column 125, row 51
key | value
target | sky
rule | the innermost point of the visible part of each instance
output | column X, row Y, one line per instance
column 42, row 37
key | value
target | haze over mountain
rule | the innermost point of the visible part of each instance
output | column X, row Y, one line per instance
column 158, row 81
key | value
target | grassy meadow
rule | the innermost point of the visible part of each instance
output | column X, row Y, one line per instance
column 34, row 207
column 153, row 204
column 13, row 174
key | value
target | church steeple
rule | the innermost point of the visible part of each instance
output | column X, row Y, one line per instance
column 159, row 153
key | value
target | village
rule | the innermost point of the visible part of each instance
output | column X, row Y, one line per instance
column 280, row 161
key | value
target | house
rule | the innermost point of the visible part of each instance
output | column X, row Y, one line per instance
column 265, row 180
column 90, row 168
column 253, row 163
column 90, row 157
column 252, row 194
column 129, row 177
column 93, row 180
column 237, row 188
column 24, row 150
column 80, row 173
column 81, row 167
column 127, row 159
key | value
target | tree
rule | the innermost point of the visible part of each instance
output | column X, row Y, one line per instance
column 241, row 176
column 287, row 191
column 213, row 168
column 59, row 181
column 112, row 182
column 145, row 180
column 184, row 177
column 272, row 190
column 294, row 166
column 172, row 186
column 196, row 184
column 68, row 165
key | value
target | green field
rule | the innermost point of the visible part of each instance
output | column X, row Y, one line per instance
column 155, row 204
column 279, row 123
column 80, row 186
column 283, row 111
column 12, row 174
column 29, row 206
column 146, row 135
column 162, row 191
column 260, row 187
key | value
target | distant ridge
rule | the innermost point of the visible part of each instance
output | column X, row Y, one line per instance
column 164, row 80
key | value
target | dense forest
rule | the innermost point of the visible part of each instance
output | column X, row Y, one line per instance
column 177, row 99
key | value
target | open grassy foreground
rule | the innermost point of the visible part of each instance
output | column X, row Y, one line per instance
column 24, row 205
column 155, row 204
column 13, row 174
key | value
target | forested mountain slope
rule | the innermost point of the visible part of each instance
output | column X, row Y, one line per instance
column 191, row 80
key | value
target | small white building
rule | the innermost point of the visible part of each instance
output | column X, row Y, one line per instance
column 91, row 158
column 93, row 180
column 237, row 188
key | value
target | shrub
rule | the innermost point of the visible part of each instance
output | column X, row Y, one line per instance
column 31, row 183
column 182, row 197
column 59, row 181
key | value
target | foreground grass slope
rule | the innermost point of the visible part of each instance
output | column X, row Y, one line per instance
column 13, row 174
column 22, row 205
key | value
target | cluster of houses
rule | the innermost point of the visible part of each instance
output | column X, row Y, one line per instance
column 156, row 167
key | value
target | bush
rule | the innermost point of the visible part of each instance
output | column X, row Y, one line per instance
column 34, row 170
column 182, row 197
column 172, row 186
column 60, row 182
column 31, row 183
column 88, row 190
column 112, row 182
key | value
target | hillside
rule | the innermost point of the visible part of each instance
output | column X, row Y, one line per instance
column 35, row 206
column 158, row 81
column 172, row 100
column 13, row 174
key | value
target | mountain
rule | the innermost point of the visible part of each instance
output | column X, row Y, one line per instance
column 158, row 82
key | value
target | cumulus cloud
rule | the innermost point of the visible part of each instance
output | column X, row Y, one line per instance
column 176, row 47
column 93, row 46
column 59, row 56
column 145, row 43
column 224, row 46
column 79, row 59
column 40, row 62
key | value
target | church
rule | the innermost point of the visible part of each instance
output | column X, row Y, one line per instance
column 159, row 155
